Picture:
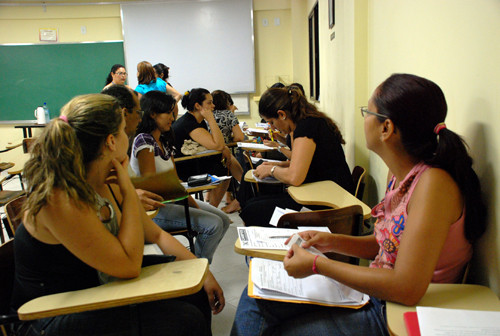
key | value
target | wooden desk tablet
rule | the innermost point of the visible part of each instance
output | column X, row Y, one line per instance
column 278, row 255
column 158, row 282
column 455, row 296
column 27, row 126
column 196, row 156
column 327, row 193
column 250, row 178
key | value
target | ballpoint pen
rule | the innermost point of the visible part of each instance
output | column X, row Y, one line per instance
column 275, row 237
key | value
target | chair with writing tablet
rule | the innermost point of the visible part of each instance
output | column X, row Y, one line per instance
column 157, row 282
column 168, row 186
column 358, row 177
column 342, row 220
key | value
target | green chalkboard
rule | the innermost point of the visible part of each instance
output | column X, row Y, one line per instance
column 53, row 73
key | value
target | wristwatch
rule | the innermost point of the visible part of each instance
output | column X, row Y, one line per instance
column 272, row 170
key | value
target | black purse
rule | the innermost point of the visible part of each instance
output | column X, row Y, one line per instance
column 199, row 180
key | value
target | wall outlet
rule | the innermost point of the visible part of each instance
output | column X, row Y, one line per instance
column 83, row 29
column 265, row 22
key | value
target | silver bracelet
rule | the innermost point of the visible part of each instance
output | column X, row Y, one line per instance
column 272, row 170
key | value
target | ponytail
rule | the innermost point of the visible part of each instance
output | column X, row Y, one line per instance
column 192, row 97
column 68, row 144
column 452, row 155
column 418, row 108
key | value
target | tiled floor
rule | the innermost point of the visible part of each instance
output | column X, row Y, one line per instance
column 231, row 271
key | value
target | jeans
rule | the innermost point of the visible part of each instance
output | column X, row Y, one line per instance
column 265, row 317
column 209, row 222
column 189, row 315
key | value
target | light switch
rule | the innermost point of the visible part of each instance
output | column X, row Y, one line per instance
column 276, row 21
column 265, row 22
column 83, row 29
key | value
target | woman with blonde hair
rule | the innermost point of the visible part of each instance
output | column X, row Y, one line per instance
column 83, row 215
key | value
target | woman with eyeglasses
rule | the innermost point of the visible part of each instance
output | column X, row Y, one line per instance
column 317, row 152
column 117, row 75
column 431, row 214
column 152, row 152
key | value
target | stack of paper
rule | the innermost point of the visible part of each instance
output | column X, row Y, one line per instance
column 269, row 280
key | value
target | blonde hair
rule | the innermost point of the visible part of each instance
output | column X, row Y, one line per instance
column 61, row 155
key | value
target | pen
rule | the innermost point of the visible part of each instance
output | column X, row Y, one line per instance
column 271, row 133
column 274, row 237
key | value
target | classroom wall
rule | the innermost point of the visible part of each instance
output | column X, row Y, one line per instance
column 451, row 42
column 455, row 44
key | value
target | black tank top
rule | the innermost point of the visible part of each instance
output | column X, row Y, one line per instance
column 43, row 269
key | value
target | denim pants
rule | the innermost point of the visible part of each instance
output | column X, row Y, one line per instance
column 265, row 317
column 209, row 222
column 189, row 315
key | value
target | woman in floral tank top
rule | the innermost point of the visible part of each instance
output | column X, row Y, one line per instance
column 430, row 216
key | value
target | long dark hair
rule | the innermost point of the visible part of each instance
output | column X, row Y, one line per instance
column 161, row 70
column 192, row 97
column 416, row 105
column 156, row 102
column 115, row 67
column 292, row 101
column 222, row 100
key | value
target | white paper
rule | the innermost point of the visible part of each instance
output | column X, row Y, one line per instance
column 272, row 279
column 262, row 125
column 457, row 322
column 278, row 212
column 314, row 228
column 255, row 146
column 264, row 237
column 255, row 160
column 268, row 179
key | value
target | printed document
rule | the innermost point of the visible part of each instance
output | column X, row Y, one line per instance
column 264, row 237
column 272, row 281
column 448, row 322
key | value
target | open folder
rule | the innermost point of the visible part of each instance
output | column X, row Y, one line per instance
column 267, row 279
column 165, row 184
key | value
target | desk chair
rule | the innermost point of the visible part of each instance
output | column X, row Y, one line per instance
column 167, row 185
column 358, row 177
column 342, row 220
column 248, row 159
column 7, row 196
column 157, row 282
column 13, row 211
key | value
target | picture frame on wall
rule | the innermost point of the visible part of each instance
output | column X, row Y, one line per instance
column 331, row 13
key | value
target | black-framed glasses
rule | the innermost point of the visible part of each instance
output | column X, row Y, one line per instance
column 364, row 110
column 140, row 113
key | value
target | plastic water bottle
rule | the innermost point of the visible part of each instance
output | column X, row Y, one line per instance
column 47, row 113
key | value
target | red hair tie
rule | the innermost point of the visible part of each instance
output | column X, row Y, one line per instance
column 439, row 127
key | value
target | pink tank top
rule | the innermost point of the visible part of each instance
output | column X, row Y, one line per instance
column 391, row 214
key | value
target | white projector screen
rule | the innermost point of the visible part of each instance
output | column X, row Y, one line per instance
column 206, row 44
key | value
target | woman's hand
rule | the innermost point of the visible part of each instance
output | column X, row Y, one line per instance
column 207, row 113
column 150, row 201
column 214, row 293
column 298, row 262
column 271, row 143
column 323, row 241
column 119, row 175
column 264, row 170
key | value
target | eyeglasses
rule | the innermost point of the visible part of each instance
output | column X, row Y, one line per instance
column 121, row 73
column 364, row 110
column 140, row 112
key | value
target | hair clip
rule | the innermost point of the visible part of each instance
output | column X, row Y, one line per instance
column 186, row 93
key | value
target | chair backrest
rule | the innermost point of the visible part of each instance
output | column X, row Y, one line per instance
column 358, row 176
column 248, row 159
column 346, row 220
column 6, row 275
column 13, row 212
